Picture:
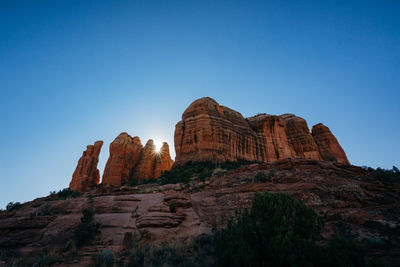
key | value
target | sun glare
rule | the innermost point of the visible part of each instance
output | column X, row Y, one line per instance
column 158, row 145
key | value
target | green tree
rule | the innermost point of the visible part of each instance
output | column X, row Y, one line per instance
column 278, row 231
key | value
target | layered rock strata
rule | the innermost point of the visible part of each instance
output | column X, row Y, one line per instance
column 328, row 145
column 211, row 132
column 86, row 174
column 130, row 160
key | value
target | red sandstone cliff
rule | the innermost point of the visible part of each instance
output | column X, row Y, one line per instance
column 211, row 132
column 86, row 174
column 130, row 160
column 328, row 145
column 125, row 152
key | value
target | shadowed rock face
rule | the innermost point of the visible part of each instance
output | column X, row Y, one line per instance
column 328, row 145
column 211, row 132
column 86, row 174
column 130, row 160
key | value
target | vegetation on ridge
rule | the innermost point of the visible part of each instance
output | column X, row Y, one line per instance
column 384, row 175
column 199, row 170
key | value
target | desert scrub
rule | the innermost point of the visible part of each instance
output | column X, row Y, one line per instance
column 282, row 231
column 172, row 207
column 87, row 229
column 261, row 177
column 202, row 170
column 13, row 206
column 134, row 213
column 65, row 193
column 105, row 258
column 199, row 252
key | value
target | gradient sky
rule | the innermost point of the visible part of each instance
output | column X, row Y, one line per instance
column 73, row 72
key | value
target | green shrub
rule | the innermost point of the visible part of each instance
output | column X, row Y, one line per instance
column 343, row 249
column 135, row 182
column 201, row 170
column 47, row 257
column 282, row 231
column 105, row 258
column 261, row 177
column 377, row 243
column 199, row 252
column 66, row 193
column 172, row 207
column 87, row 229
column 152, row 256
column 392, row 175
column 279, row 231
column 134, row 213
column 206, row 172
column 13, row 206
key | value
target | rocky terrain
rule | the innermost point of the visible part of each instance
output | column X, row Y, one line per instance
column 338, row 192
column 266, row 153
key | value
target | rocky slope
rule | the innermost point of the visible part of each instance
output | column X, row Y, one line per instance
column 211, row 132
column 338, row 192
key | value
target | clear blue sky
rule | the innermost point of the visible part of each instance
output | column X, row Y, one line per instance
column 73, row 72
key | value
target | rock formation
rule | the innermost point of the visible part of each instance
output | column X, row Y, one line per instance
column 300, row 137
column 329, row 147
column 130, row 160
column 86, row 174
column 211, row 132
column 274, row 141
column 125, row 153
column 163, row 160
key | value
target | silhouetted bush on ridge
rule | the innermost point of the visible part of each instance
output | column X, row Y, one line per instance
column 13, row 206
